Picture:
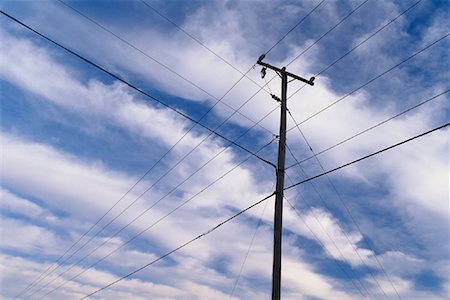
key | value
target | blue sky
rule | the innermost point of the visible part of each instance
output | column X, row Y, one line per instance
column 75, row 140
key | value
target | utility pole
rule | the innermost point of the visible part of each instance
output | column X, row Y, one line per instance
column 278, row 219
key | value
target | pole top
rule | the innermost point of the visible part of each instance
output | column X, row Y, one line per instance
column 283, row 71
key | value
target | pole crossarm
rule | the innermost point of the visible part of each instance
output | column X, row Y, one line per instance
column 283, row 71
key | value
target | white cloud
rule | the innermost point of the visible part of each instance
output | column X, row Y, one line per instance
column 415, row 176
column 19, row 236
column 14, row 204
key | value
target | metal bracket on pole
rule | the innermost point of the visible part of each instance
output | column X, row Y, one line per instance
column 278, row 218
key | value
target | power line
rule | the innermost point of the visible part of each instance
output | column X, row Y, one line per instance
column 367, row 156
column 168, row 68
column 295, row 26
column 140, row 215
column 276, row 276
column 320, row 38
column 370, row 36
column 361, row 43
column 220, row 57
column 132, row 86
column 251, row 243
column 348, row 212
column 142, row 92
column 373, row 79
column 351, row 50
column 180, row 247
column 248, row 250
column 159, row 179
column 369, row 128
column 378, row 30
column 143, row 53
column 345, row 233
column 257, row 203
column 330, row 30
column 323, row 245
column 142, row 195
column 198, row 41
column 116, row 77
column 217, row 55
column 325, row 34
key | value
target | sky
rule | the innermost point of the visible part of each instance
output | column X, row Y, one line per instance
column 99, row 179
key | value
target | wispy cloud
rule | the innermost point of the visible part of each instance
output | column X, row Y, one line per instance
column 75, row 154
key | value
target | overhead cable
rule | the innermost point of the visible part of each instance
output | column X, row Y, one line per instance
column 318, row 240
column 195, row 122
column 218, row 100
column 368, row 156
column 329, row 30
column 369, row 128
column 370, row 36
column 295, row 26
column 360, row 44
column 134, row 87
column 347, row 210
column 374, row 78
column 136, row 218
column 180, row 247
column 255, row 204
column 341, row 21
column 249, row 248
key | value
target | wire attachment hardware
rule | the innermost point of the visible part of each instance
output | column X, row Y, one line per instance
column 275, row 98
column 263, row 72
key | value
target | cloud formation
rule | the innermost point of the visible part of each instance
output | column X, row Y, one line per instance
column 87, row 140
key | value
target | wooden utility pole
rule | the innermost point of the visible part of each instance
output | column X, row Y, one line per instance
column 278, row 219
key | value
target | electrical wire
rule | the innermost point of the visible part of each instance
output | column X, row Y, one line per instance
column 370, row 128
column 330, row 30
column 320, row 38
column 140, row 214
column 309, row 47
column 141, row 51
column 197, row 41
column 348, row 211
column 373, row 79
column 368, row 156
column 323, row 245
column 313, row 233
column 257, row 203
column 341, row 21
column 157, row 181
column 130, row 85
column 351, row 50
column 218, row 100
column 141, row 232
column 360, row 44
column 370, row 36
column 48, row 270
column 249, row 249
column 180, row 247
column 295, row 26
column 116, row 77
column 322, row 200
column 140, row 91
